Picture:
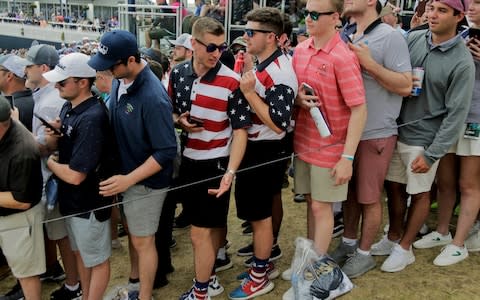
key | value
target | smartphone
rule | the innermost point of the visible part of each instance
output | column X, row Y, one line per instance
column 198, row 122
column 308, row 89
column 420, row 10
column 48, row 125
column 474, row 33
column 12, row 103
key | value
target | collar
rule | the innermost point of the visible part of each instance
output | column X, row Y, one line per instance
column 329, row 45
column 40, row 92
column 372, row 26
column 269, row 60
column 24, row 93
column 139, row 80
column 445, row 46
column 208, row 77
column 82, row 106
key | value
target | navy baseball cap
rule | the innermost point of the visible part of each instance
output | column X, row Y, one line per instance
column 114, row 46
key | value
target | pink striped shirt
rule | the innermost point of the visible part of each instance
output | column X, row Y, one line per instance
column 334, row 73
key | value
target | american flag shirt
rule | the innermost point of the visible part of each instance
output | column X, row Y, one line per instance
column 214, row 98
column 276, row 84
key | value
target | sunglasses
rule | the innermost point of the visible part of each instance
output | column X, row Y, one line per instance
column 212, row 47
column 314, row 15
column 251, row 32
column 64, row 82
column 236, row 50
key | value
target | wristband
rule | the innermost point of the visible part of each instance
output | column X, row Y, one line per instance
column 231, row 172
column 348, row 157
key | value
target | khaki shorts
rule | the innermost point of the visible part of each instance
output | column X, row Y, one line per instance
column 142, row 207
column 400, row 169
column 466, row 147
column 56, row 230
column 310, row 179
column 23, row 246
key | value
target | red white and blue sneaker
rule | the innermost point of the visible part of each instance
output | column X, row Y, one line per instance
column 249, row 289
column 190, row 295
column 272, row 272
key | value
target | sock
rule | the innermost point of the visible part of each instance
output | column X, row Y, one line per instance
column 349, row 242
column 258, row 271
column 363, row 252
column 337, row 207
column 200, row 289
column 133, row 280
column 72, row 287
column 221, row 253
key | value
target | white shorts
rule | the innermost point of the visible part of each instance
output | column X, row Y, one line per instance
column 464, row 146
column 400, row 169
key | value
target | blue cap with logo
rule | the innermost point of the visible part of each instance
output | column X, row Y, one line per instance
column 114, row 46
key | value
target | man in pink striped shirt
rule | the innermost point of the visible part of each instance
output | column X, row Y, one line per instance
column 323, row 166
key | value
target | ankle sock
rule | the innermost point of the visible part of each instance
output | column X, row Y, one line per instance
column 363, row 252
column 200, row 289
column 221, row 254
column 349, row 242
column 133, row 280
column 258, row 271
column 72, row 287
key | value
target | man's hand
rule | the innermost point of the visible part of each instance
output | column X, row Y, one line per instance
column 363, row 54
column 225, row 185
column 419, row 165
column 182, row 121
column 342, row 172
column 474, row 46
column 306, row 101
column 115, row 185
column 247, row 82
column 15, row 114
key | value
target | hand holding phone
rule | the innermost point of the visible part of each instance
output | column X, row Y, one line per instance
column 308, row 89
column 196, row 121
column 48, row 125
column 474, row 33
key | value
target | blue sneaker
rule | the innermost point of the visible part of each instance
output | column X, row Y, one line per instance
column 250, row 289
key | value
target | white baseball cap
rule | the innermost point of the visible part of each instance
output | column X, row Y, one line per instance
column 71, row 65
column 184, row 40
column 14, row 64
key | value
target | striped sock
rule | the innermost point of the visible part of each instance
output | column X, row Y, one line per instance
column 200, row 289
column 258, row 271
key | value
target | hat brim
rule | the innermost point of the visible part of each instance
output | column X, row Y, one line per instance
column 26, row 62
column 54, row 76
column 100, row 63
column 150, row 53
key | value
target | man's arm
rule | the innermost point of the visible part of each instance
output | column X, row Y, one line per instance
column 343, row 169
column 7, row 201
column 396, row 75
column 239, row 144
column 64, row 172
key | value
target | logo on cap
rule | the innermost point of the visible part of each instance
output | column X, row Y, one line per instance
column 63, row 67
column 102, row 49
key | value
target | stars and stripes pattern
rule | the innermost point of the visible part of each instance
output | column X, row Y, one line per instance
column 277, row 86
column 214, row 98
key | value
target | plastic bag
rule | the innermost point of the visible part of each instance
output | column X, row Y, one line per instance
column 315, row 277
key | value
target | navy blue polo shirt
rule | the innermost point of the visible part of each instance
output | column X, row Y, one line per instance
column 85, row 129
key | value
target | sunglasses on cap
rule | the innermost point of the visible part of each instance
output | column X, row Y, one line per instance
column 212, row 47
column 314, row 15
column 251, row 32
column 236, row 50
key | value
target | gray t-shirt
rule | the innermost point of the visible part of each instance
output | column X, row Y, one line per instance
column 388, row 48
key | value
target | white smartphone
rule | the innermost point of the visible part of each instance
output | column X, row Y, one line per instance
column 308, row 89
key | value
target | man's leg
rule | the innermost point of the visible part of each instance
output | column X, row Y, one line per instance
column 68, row 259
column 277, row 215
column 323, row 214
column 31, row 287
column 205, row 251
column 100, row 276
column 147, row 263
column 84, row 274
column 397, row 207
column 262, row 238
column 371, row 221
column 447, row 191
column 417, row 215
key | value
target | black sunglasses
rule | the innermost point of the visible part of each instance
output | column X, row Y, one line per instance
column 63, row 83
column 251, row 32
column 212, row 47
column 315, row 14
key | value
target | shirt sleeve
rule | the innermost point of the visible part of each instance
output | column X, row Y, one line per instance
column 280, row 98
column 397, row 56
column 238, row 110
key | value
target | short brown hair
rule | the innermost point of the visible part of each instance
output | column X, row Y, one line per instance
column 207, row 25
column 269, row 17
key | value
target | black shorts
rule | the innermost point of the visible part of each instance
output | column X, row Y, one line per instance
column 202, row 209
column 255, row 187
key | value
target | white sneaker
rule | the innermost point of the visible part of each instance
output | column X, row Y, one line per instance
column 424, row 229
column 287, row 274
column 475, row 228
column 383, row 247
column 451, row 254
column 289, row 294
column 473, row 242
column 433, row 239
column 398, row 259
column 214, row 287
